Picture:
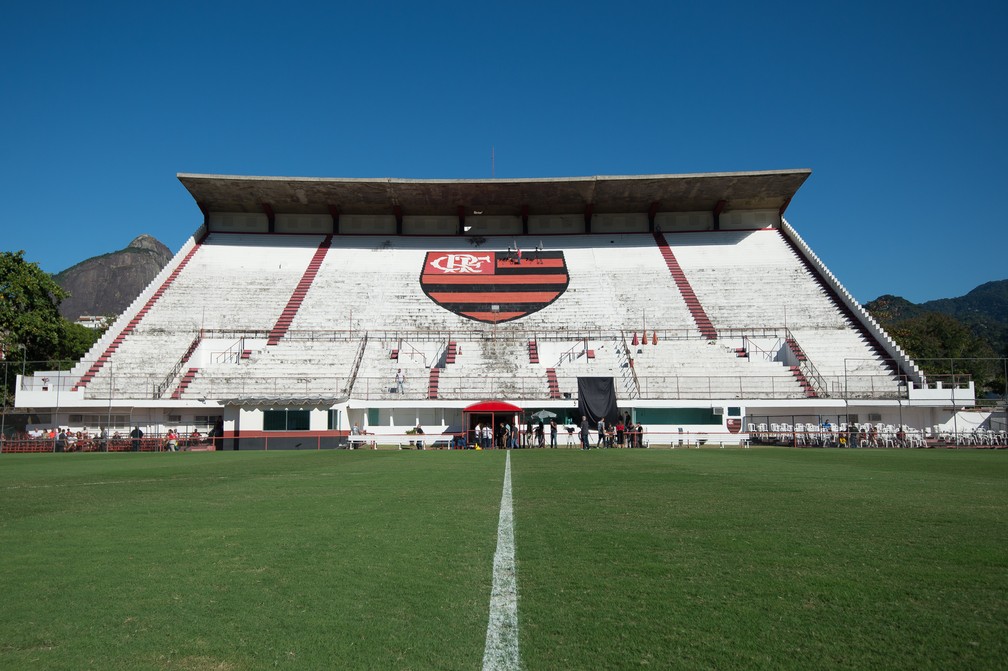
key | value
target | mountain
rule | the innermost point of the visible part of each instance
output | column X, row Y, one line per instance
column 107, row 284
column 983, row 310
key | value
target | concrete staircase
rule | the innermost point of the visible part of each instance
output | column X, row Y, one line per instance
column 432, row 383
column 703, row 323
column 300, row 291
column 133, row 323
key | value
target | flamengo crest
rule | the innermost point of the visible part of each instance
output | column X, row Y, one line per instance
column 470, row 284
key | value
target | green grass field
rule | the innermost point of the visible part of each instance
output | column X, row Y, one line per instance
column 694, row 559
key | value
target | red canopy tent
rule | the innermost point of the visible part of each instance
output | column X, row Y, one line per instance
column 495, row 409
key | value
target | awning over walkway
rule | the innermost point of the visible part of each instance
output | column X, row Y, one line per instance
column 492, row 406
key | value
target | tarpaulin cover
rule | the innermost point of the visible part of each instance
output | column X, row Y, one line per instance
column 597, row 399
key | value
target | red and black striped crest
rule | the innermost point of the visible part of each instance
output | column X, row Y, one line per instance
column 494, row 286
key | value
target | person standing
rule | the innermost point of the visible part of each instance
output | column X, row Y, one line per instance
column 553, row 433
column 103, row 440
column 218, row 434
column 585, row 432
column 601, row 433
column 136, row 434
column 400, row 379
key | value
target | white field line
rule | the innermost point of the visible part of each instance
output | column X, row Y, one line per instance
column 501, row 652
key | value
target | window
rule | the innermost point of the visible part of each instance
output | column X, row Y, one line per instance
column 286, row 420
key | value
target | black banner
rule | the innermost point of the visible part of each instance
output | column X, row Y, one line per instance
column 597, row 399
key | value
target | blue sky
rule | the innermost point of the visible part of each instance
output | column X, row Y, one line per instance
column 898, row 108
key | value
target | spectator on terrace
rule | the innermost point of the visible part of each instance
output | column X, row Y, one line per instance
column 136, row 434
column 851, row 436
column 862, row 437
column 400, row 379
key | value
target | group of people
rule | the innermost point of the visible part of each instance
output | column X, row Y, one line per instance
column 510, row 437
column 173, row 442
column 65, row 440
column 621, row 433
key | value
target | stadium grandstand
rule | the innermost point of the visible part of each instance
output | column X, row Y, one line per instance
column 312, row 313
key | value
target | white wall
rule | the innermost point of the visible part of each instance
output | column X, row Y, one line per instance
column 304, row 223
column 238, row 222
column 620, row 223
column 684, row 221
column 747, row 219
column 356, row 224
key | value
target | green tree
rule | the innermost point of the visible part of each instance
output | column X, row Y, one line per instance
column 942, row 345
column 31, row 327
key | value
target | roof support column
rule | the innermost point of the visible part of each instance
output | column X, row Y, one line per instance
column 524, row 216
column 334, row 213
column 398, row 219
column 780, row 212
column 651, row 214
column 588, row 216
column 718, row 209
column 270, row 217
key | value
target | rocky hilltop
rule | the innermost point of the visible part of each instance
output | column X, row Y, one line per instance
column 107, row 284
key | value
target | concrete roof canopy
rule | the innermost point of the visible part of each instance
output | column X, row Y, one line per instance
column 567, row 195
